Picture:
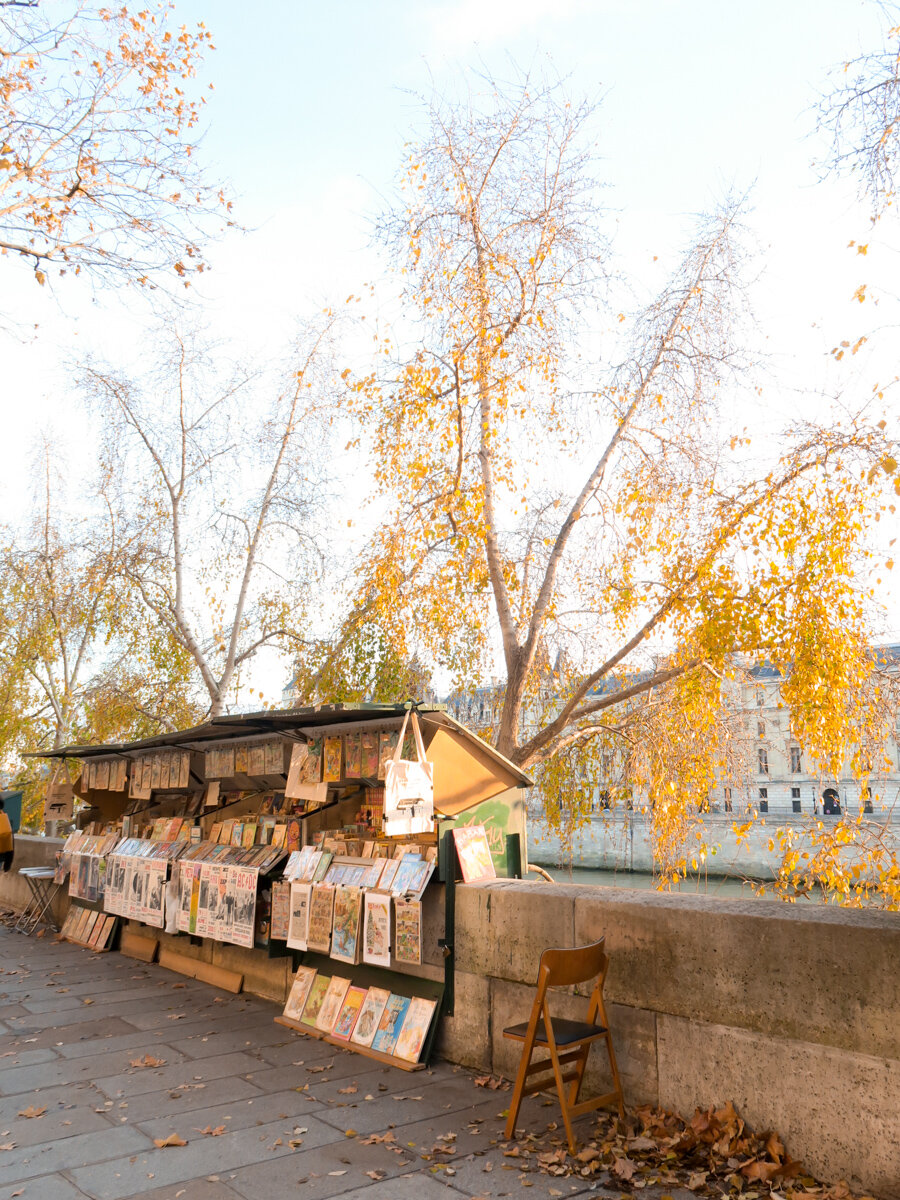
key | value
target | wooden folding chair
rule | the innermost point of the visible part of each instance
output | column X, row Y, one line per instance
column 561, row 968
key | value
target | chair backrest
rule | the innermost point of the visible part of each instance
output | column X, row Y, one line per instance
column 576, row 965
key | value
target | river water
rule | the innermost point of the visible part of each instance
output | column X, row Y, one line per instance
column 702, row 885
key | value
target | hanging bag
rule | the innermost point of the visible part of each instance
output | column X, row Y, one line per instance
column 409, row 787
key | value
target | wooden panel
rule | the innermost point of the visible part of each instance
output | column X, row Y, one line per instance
column 135, row 946
column 464, row 775
column 194, row 968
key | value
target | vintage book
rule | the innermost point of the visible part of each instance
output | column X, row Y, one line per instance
column 408, row 931
column 409, row 865
column 248, row 837
column 388, row 874
column 237, row 833
column 299, row 993
column 387, row 744
column 368, row 767
column 347, row 1017
column 331, row 1005
column 314, row 1000
column 415, row 1029
column 312, row 772
column 321, row 909
column 164, row 761
column 332, row 764
column 345, row 924
column 257, row 760
column 294, row 834
column 321, row 867
column 352, row 756
column 88, row 927
column 390, row 1024
column 274, row 756
column 377, row 929
column 281, row 910
column 370, row 1014
column 279, row 836
column 241, row 760
column 226, row 831
column 371, row 877
column 474, row 853
column 418, row 881
column 300, row 895
column 299, row 753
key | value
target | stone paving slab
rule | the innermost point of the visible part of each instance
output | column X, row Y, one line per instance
column 86, row 1068
column 47, row 1157
column 47, row 1187
column 177, row 1102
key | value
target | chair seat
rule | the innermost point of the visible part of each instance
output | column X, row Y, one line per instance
column 565, row 1032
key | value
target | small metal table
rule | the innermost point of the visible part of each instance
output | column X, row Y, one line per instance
column 43, row 890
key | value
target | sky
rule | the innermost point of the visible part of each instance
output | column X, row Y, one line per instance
column 313, row 103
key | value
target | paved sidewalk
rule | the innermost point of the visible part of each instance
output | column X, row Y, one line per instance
column 265, row 1112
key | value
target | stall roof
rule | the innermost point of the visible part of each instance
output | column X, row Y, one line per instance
column 315, row 717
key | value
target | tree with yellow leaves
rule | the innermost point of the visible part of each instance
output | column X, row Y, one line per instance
column 99, row 173
column 611, row 542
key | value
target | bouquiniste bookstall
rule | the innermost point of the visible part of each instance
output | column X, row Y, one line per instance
column 332, row 836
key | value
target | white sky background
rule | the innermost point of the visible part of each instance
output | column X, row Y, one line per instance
column 308, row 119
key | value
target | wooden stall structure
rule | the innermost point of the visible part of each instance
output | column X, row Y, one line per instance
column 265, row 831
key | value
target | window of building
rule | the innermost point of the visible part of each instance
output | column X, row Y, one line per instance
column 795, row 799
column 796, row 768
column 761, row 729
column 763, row 799
column 760, row 697
column 762, row 755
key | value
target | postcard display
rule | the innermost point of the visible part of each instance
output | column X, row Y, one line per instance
column 353, row 918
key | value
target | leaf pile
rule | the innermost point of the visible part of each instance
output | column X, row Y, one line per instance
column 712, row 1154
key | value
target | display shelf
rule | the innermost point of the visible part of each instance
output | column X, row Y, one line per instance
column 388, row 1059
column 365, row 975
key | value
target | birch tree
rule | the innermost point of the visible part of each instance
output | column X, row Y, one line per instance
column 601, row 531
column 221, row 475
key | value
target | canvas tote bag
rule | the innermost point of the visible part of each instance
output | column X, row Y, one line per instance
column 409, row 787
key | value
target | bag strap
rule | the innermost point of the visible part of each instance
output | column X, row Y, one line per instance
column 420, row 745
column 398, row 749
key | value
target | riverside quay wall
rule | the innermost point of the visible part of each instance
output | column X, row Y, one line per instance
column 790, row 1011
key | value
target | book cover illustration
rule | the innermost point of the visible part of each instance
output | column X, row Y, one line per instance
column 352, row 756
column 347, row 1017
column 296, row 769
column 415, row 1029
column 474, row 853
column 321, row 909
column 377, row 929
column 331, row 1005
column 408, row 931
column 370, row 1014
column 274, row 757
column 368, row 766
column 390, row 1024
column 299, row 993
column 409, row 865
column 331, row 772
column 257, row 760
column 298, row 927
column 313, row 767
column 241, row 760
column 387, row 744
column 314, row 1000
column 345, row 925
column 389, row 874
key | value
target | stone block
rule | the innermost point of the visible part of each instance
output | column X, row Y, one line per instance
column 759, row 965
column 836, row 1110
column 465, row 1037
column 502, row 928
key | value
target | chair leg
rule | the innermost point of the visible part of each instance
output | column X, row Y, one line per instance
column 561, row 1092
column 580, row 1066
column 617, row 1082
column 516, row 1102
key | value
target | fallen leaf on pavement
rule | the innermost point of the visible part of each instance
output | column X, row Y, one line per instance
column 172, row 1140
column 147, row 1061
column 217, row 1132
column 31, row 1111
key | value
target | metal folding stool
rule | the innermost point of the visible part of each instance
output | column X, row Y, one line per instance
column 43, row 890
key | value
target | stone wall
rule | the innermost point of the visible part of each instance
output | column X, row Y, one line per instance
column 792, row 1012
